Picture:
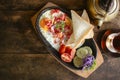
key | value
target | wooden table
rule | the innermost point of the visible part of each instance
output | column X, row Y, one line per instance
column 23, row 56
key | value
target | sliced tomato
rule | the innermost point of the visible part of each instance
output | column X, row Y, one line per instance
column 68, row 49
column 66, row 57
column 72, row 53
column 62, row 49
column 62, row 17
column 68, row 54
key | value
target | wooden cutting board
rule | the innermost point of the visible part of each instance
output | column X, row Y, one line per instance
column 82, row 73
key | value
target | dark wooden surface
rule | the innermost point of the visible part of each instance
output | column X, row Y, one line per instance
column 22, row 54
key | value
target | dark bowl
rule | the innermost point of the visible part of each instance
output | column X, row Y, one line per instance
column 54, row 52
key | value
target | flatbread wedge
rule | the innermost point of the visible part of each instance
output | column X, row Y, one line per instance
column 91, row 33
column 86, row 17
column 81, row 29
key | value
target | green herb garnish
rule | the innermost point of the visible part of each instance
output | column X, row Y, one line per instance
column 60, row 25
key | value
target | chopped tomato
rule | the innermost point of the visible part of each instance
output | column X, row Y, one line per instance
column 63, row 16
column 57, row 19
column 60, row 18
column 59, row 35
column 55, row 11
column 56, row 31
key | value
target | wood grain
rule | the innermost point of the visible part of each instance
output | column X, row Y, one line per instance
column 37, row 4
column 23, row 56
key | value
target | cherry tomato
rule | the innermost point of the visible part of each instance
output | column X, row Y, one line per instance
column 68, row 49
column 72, row 53
column 67, row 53
column 66, row 57
column 62, row 49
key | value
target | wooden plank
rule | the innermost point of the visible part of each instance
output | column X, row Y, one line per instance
column 36, row 4
column 17, row 34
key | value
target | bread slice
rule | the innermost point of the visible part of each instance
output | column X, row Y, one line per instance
column 86, row 17
column 81, row 28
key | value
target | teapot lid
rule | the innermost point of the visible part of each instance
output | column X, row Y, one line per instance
column 106, row 5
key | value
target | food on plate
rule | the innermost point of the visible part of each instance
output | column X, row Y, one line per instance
column 89, row 49
column 85, row 17
column 62, row 49
column 83, row 52
column 67, row 35
column 84, row 58
column 81, row 29
column 78, row 62
column 68, row 56
column 89, row 62
column 66, row 53
column 56, row 27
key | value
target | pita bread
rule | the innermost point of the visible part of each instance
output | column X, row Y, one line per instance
column 85, row 17
column 81, row 28
column 90, row 35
